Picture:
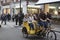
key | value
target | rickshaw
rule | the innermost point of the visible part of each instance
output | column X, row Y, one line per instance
column 38, row 30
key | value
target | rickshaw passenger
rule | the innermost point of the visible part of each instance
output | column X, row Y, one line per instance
column 30, row 21
column 35, row 16
column 25, row 18
column 43, row 19
column 49, row 17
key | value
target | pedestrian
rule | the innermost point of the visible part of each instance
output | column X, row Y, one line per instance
column 16, row 18
column 3, row 18
column 13, row 17
column 20, row 17
column 8, row 17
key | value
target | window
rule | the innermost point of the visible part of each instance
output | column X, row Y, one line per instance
column 1, row 2
column 5, row 1
column 0, row 7
column 16, row 0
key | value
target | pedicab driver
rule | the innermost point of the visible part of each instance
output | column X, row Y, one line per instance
column 43, row 19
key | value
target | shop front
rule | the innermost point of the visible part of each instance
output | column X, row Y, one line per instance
column 51, row 6
column 33, row 9
column 6, row 9
column 30, row 8
column 17, row 8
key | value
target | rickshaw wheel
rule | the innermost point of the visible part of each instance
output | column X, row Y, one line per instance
column 51, row 35
column 0, row 26
column 24, row 32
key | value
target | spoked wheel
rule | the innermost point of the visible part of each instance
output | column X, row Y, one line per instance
column 51, row 35
column 24, row 32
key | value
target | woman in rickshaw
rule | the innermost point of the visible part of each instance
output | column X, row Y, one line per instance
column 30, row 21
column 29, row 18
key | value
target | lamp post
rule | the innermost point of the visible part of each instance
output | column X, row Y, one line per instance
column 20, row 6
column 27, row 4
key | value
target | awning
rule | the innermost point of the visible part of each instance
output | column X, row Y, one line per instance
column 46, row 1
column 7, row 6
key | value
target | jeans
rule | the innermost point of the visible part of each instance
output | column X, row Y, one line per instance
column 45, row 24
column 31, row 26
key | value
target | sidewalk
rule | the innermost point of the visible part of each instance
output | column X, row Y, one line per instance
column 12, row 24
column 10, row 29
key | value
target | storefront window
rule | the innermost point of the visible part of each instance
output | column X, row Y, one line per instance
column 4, row 11
column 59, row 11
column 33, row 10
column 18, row 10
column 8, row 10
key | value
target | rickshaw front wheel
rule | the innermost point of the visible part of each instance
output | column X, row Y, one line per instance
column 51, row 35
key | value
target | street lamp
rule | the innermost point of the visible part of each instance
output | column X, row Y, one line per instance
column 20, row 6
column 27, row 2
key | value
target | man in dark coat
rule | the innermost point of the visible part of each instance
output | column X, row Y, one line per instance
column 13, row 17
column 16, row 18
column 9, row 16
column 20, row 17
column 3, row 18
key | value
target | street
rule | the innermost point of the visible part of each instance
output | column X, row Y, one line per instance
column 12, row 32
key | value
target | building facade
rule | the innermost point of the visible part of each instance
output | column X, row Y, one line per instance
column 28, row 6
column 13, row 6
column 52, row 6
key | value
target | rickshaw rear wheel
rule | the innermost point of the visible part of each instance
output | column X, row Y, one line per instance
column 24, row 32
column 0, row 26
column 49, row 35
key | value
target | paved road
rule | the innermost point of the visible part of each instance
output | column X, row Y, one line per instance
column 10, row 32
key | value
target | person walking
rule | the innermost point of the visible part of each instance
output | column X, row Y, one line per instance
column 8, row 16
column 3, row 18
column 16, row 18
column 13, row 18
column 20, row 17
